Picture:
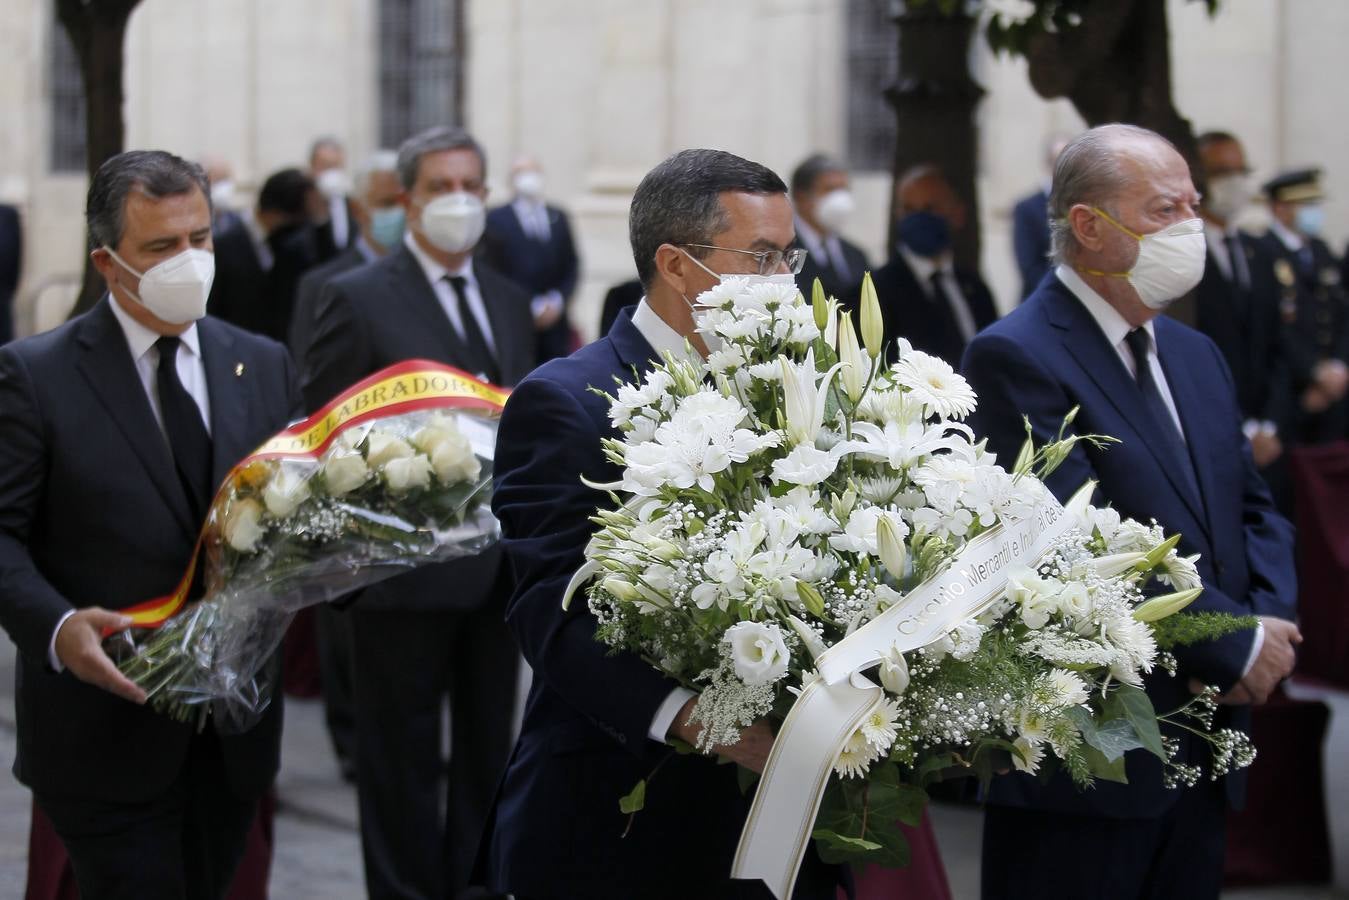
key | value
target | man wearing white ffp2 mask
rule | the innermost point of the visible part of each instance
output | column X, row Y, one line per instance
column 824, row 205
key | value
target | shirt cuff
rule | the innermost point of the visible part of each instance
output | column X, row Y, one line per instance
column 664, row 717
column 550, row 300
column 1255, row 649
column 52, row 659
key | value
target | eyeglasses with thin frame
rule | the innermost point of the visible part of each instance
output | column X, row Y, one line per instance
column 769, row 260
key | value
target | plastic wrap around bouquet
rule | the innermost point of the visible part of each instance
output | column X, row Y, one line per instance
column 393, row 474
column 806, row 534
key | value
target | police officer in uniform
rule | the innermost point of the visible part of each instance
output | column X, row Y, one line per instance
column 1312, row 305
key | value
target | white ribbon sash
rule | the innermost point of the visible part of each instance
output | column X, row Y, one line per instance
column 831, row 707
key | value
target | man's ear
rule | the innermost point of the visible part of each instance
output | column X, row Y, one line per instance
column 103, row 262
column 672, row 267
column 1086, row 226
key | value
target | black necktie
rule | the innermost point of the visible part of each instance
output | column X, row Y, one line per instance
column 480, row 351
column 1165, row 430
column 188, row 439
column 1236, row 255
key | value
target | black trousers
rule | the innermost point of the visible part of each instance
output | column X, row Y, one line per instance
column 183, row 845
column 336, row 675
column 1030, row 853
column 419, row 838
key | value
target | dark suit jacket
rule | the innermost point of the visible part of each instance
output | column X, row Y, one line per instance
column 537, row 266
column 384, row 313
column 927, row 322
column 307, row 297
column 244, row 294
column 1030, row 239
column 11, row 263
column 557, row 830
column 1048, row 356
column 847, row 287
column 325, row 244
column 93, row 514
column 618, row 298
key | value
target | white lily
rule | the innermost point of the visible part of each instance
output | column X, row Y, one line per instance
column 855, row 365
column 1156, row 608
column 873, row 324
column 890, row 548
column 805, row 401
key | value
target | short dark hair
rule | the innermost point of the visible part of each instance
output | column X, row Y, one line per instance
column 434, row 140
column 679, row 201
column 811, row 168
column 286, row 192
column 154, row 173
column 1215, row 137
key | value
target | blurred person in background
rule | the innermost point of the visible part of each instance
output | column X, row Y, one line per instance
column 11, row 266
column 530, row 242
column 1030, row 225
column 224, row 193
column 334, row 224
column 824, row 205
column 927, row 298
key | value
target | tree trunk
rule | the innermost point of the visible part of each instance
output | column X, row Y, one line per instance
column 934, row 101
column 1115, row 67
column 97, row 29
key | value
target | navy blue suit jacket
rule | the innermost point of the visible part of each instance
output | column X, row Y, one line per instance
column 1030, row 239
column 556, row 829
column 1048, row 356
column 93, row 514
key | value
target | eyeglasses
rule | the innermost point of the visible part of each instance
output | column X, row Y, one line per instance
column 769, row 260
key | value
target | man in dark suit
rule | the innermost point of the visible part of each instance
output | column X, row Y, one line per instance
column 331, row 209
column 824, row 204
column 1030, row 227
column 596, row 722
column 114, row 430
column 437, row 631
column 530, row 242
column 1313, row 304
column 926, row 297
column 259, row 264
column 11, row 264
column 1090, row 338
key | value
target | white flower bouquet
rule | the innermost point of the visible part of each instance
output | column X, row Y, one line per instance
column 797, row 521
column 393, row 474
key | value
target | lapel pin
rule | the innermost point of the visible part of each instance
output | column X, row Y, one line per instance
column 238, row 369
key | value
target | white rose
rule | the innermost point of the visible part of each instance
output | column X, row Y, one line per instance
column 285, row 491
column 435, row 432
column 343, row 472
column 1075, row 601
column 758, row 651
column 407, row 472
column 382, row 447
column 895, row 672
column 243, row 525
column 454, row 461
column 1028, row 590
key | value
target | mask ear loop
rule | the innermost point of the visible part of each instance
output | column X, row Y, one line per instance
column 1130, row 232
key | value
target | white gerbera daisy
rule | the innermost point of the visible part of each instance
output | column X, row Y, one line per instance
column 932, row 382
column 1069, row 688
column 1027, row 755
column 856, row 757
column 879, row 726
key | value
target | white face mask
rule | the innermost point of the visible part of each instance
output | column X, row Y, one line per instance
column 1170, row 261
column 835, row 209
column 222, row 195
column 333, row 183
column 529, row 185
column 1228, row 195
column 711, row 339
column 175, row 290
column 453, row 222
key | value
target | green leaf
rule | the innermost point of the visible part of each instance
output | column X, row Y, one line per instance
column 843, row 842
column 1112, row 737
column 635, row 800
column 1135, row 706
column 1105, row 769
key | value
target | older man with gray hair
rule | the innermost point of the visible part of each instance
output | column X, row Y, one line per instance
column 436, row 633
column 1128, row 241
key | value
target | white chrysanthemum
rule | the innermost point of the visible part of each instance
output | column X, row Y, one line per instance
column 936, row 385
column 1027, row 756
column 1068, row 687
column 1134, row 645
column 879, row 725
column 702, row 438
column 652, row 393
column 727, row 359
column 856, row 757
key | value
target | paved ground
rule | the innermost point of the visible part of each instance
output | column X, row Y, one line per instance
column 318, row 853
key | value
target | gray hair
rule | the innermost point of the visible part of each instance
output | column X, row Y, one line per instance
column 679, row 202
column 326, row 141
column 434, row 140
column 1089, row 171
column 154, row 173
column 379, row 161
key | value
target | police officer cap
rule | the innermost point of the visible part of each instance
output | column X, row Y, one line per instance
column 1296, row 186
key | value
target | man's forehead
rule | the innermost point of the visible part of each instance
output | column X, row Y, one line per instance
column 145, row 216
column 758, row 216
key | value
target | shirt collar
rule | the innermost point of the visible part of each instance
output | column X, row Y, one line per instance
column 1216, row 234
column 1113, row 325
column 658, row 333
column 922, row 267
column 529, row 207
column 1291, row 239
column 433, row 270
column 140, row 339
column 368, row 253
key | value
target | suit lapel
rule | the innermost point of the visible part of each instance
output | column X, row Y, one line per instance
column 410, row 287
column 1083, row 339
column 506, row 336
column 226, row 378
column 105, row 363
column 1190, row 406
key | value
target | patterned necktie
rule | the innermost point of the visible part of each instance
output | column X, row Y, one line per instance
column 476, row 342
column 189, row 441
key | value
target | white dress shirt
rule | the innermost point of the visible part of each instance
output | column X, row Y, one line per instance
column 663, row 339
column 1114, row 326
column 533, row 217
column 1234, row 271
column 191, row 372
column 922, row 268
column 444, row 291
column 341, row 222
column 827, row 248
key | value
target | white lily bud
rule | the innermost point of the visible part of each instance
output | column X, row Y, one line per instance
column 1157, row 608
column 873, row 323
column 892, row 552
column 855, row 367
